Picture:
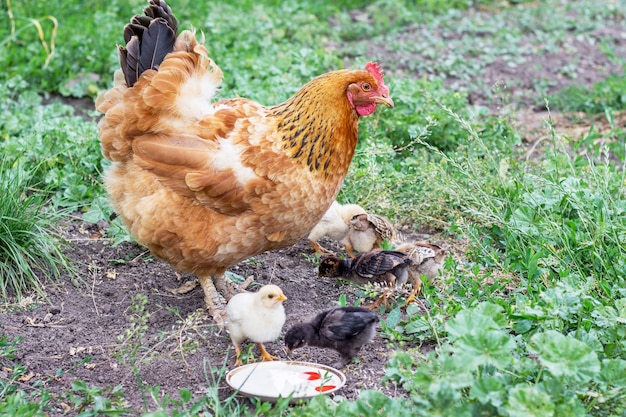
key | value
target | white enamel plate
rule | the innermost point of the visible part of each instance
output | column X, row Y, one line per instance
column 272, row 380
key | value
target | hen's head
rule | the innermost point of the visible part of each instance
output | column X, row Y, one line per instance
column 364, row 95
column 271, row 295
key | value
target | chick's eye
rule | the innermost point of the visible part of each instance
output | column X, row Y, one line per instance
column 270, row 296
column 366, row 87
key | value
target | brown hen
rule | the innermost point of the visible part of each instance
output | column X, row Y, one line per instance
column 206, row 185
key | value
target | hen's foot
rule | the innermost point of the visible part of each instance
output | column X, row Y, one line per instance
column 214, row 301
column 227, row 288
column 264, row 354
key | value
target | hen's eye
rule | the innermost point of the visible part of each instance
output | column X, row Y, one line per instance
column 366, row 87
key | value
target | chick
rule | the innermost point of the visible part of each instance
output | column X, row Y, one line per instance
column 427, row 260
column 334, row 224
column 368, row 231
column 258, row 317
column 375, row 266
column 344, row 329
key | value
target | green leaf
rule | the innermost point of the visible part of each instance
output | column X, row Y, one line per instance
column 393, row 318
column 565, row 356
column 488, row 348
column 529, row 401
column 488, row 390
column 417, row 325
column 480, row 319
column 613, row 372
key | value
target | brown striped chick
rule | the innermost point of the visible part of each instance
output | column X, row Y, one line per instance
column 256, row 316
column 367, row 232
column 427, row 260
column 376, row 266
column 334, row 224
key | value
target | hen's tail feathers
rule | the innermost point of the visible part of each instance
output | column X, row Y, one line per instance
column 148, row 39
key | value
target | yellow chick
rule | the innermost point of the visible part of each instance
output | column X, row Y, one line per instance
column 256, row 316
column 334, row 224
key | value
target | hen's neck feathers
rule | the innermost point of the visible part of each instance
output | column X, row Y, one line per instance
column 319, row 124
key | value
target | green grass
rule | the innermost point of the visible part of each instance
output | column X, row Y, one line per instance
column 29, row 247
column 530, row 323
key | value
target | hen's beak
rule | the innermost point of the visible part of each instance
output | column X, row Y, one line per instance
column 384, row 99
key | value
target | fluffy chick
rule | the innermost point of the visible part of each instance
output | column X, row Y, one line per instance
column 344, row 329
column 334, row 224
column 428, row 260
column 368, row 231
column 375, row 266
column 258, row 317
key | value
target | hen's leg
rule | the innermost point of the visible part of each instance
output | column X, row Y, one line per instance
column 264, row 355
column 213, row 300
column 227, row 288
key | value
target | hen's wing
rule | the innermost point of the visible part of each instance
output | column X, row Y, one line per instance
column 341, row 324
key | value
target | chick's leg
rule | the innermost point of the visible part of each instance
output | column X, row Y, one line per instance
column 213, row 300
column 416, row 290
column 319, row 249
column 264, row 355
column 238, row 361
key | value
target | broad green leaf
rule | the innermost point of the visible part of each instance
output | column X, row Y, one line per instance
column 613, row 372
column 488, row 348
column 488, row 390
column 393, row 318
column 417, row 325
column 565, row 356
column 482, row 318
column 529, row 401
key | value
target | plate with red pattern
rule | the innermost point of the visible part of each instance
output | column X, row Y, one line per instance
column 296, row 380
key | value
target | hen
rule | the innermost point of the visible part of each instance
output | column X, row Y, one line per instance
column 334, row 224
column 368, row 231
column 344, row 329
column 206, row 185
column 258, row 316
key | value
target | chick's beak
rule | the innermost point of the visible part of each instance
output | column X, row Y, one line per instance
column 287, row 350
column 384, row 99
column 281, row 298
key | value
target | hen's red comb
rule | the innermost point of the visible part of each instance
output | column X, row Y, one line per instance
column 376, row 71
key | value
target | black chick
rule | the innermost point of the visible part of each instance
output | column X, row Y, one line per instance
column 383, row 266
column 344, row 329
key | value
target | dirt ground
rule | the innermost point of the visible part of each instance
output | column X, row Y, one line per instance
column 87, row 328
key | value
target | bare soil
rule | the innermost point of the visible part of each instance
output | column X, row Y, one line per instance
column 78, row 331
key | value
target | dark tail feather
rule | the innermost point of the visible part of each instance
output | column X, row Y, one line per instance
column 148, row 39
